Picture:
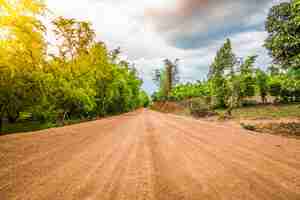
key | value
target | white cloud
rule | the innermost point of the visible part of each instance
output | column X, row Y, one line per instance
column 122, row 23
column 194, row 63
column 194, row 23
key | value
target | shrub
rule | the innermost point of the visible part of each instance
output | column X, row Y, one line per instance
column 249, row 103
column 275, row 88
column 199, row 108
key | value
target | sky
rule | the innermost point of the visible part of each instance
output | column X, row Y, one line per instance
column 148, row 31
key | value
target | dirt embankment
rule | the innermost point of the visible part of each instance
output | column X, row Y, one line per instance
column 168, row 107
column 149, row 155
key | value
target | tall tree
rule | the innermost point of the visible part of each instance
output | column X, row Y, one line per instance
column 167, row 78
column 73, row 67
column 172, row 77
column 223, row 62
column 74, row 37
column 262, row 84
column 247, row 78
column 22, row 54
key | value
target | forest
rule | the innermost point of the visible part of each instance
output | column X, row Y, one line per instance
column 76, row 77
column 233, row 82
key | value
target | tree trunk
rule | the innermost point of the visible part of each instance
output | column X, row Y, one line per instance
column 1, row 124
column 64, row 117
column 13, row 119
column 264, row 99
column 229, row 111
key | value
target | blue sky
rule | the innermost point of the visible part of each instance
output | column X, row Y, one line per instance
column 148, row 31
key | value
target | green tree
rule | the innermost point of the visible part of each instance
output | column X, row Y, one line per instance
column 144, row 99
column 171, row 74
column 262, row 84
column 167, row 78
column 247, row 78
column 22, row 55
column 283, row 27
column 223, row 62
column 273, row 70
column 73, row 67
column 275, row 87
column 82, row 80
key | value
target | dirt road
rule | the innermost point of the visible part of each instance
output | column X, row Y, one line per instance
column 150, row 156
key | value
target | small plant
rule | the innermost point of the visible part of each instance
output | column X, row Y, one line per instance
column 224, row 116
column 249, row 103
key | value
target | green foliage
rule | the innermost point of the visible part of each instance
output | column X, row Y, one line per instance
column 223, row 62
column 283, row 26
column 275, row 87
column 247, row 78
column 262, row 84
column 247, row 67
column 219, row 89
column 247, row 86
column 285, row 87
column 189, row 90
column 231, row 84
column 81, row 80
column 22, row 54
column 266, row 111
column 27, row 126
column 144, row 99
column 166, row 78
column 199, row 108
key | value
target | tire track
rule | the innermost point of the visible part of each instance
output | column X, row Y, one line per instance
column 145, row 155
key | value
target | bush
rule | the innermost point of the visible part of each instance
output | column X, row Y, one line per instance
column 296, row 94
column 199, row 108
column 246, row 103
column 275, row 88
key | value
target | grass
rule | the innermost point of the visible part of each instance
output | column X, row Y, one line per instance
column 29, row 126
column 25, row 127
column 266, row 111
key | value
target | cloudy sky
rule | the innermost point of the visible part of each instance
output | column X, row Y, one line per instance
column 149, row 31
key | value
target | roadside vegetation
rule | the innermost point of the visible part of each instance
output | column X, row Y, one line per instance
column 268, row 111
column 74, row 78
column 236, row 87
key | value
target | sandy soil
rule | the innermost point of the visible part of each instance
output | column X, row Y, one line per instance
column 148, row 155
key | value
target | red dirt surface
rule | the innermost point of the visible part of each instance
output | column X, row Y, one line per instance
column 151, row 156
column 168, row 107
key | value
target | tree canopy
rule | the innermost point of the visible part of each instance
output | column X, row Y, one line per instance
column 83, row 79
column 283, row 26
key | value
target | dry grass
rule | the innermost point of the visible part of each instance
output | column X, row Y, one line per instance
column 267, row 112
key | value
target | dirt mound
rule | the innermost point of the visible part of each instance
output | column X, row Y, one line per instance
column 168, row 107
column 291, row 129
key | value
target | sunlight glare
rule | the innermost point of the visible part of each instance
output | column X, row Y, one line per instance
column 159, row 3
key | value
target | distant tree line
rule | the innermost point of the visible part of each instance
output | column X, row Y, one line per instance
column 231, row 81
